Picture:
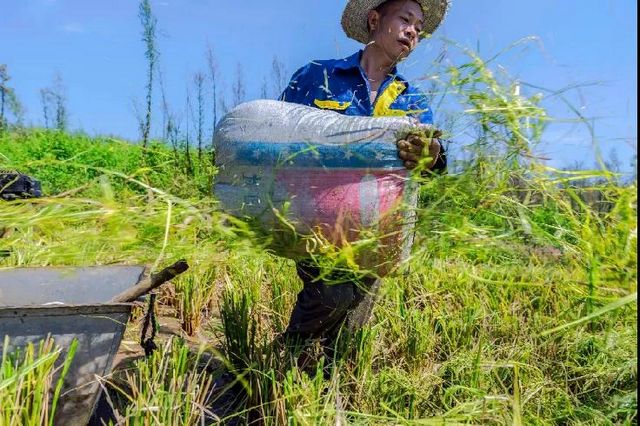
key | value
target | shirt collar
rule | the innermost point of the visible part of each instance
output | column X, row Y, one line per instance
column 349, row 62
column 353, row 61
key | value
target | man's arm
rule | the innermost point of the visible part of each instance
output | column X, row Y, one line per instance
column 297, row 91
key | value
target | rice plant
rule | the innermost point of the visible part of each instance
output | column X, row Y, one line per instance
column 170, row 387
column 196, row 296
column 31, row 380
column 517, row 305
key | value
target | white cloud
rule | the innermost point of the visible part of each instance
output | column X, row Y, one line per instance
column 72, row 28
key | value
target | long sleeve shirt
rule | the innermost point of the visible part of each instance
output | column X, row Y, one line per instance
column 341, row 85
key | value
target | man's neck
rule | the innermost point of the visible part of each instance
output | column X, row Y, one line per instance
column 376, row 65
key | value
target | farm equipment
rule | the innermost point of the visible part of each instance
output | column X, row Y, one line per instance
column 87, row 304
column 14, row 185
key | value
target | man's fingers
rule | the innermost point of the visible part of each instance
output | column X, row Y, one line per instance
column 415, row 148
column 434, row 147
column 408, row 146
column 416, row 141
column 407, row 156
column 403, row 145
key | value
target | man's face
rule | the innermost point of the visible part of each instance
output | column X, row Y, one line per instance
column 396, row 28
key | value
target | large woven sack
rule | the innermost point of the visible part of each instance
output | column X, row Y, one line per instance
column 317, row 182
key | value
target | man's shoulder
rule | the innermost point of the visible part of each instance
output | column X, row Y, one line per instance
column 312, row 67
column 316, row 71
column 320, row 65
column 316, row 65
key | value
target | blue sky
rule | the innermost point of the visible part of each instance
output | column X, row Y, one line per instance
column 95, row 46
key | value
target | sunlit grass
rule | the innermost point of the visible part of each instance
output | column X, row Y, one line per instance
column 170, row 387
column 29, row 392
column 517, row 304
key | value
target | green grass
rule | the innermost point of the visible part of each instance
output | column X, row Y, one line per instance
column 517, row 306
column 167, row 388
column 29, row 393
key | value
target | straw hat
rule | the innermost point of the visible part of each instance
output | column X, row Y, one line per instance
column 355, row 15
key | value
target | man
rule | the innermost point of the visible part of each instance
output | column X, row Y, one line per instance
column 364, row 84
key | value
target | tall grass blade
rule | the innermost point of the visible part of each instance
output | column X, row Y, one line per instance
column 607, row 308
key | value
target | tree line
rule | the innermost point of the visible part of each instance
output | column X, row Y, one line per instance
column 187, row 127
column 205, row 102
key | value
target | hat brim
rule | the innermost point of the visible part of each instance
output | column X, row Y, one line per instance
column 356, row 12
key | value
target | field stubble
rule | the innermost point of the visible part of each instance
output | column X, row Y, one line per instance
column 517, row 306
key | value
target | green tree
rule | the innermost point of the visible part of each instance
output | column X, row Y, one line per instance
column 149, row 23
column 279, row 77
column 188, row 114
column 198, row 81
column 239, row 88
column 213, row 76
column 54, row 104
column 4, row 89
column 8, row 100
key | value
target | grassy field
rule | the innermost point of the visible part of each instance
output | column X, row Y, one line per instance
column 518, row 305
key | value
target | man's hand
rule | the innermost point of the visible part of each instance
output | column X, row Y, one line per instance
column 415, row 147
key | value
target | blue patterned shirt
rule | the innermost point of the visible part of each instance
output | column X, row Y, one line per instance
column 341, row 85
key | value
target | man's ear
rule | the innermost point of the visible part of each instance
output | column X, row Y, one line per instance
column 373, row 20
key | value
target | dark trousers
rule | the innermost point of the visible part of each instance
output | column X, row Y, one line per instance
column 324, row 304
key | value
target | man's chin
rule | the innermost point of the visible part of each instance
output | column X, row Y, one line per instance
column 402, row 55
column 397, row 55
column 403, row 52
